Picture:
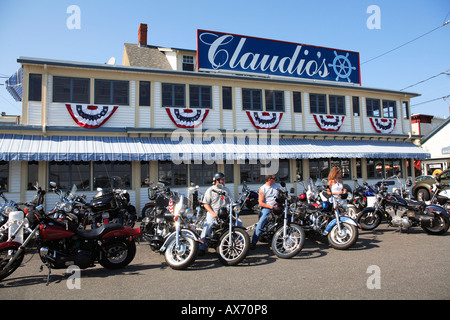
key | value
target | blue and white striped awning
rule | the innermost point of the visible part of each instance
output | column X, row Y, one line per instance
column 16, row 147
column 14, row 85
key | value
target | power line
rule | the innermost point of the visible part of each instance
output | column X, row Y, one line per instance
column 446, row 23
column 444, row 97
column 446, row 72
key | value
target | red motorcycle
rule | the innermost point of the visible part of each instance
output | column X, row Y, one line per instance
column 61, row 244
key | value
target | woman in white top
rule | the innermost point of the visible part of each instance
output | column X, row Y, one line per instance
column 335, row 182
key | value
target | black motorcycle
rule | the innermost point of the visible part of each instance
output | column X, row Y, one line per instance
column 113, row 206
column 286, row 237
column 248, row 198
column 433, row 219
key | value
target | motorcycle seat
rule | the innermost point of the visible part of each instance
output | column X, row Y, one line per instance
column 99, row 232
column 415, row 204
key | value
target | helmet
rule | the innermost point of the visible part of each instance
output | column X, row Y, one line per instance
column 277, row 209
column 223, row 213
column 326, row 206
column 218, row 175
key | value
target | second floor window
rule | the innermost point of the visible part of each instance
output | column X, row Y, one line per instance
column 373, row 107
column 318, row 103
column 274, row 100
column 111, row 92
column 251, row 99
column 173, row 95
column 200, row 96
column 74, row 90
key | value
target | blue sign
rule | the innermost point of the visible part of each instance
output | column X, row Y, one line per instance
column 241, row 54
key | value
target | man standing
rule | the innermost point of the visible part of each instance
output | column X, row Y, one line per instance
column 267, row 194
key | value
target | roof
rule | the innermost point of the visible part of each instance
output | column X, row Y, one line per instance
column 436, row 130
column 146, row 57
column 104, row 66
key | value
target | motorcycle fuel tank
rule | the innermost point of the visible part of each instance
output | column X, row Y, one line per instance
column 54, row 232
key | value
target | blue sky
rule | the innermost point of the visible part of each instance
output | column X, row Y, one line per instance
column 38, row 29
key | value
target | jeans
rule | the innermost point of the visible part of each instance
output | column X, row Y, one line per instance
column 262, row 221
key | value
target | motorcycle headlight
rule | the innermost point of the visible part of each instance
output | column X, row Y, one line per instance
column 67, row 207
column 8, row 210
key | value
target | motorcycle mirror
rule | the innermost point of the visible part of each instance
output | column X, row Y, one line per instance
column 283, row 184
column 299, row 177
column 438, row 178
column 53, row 184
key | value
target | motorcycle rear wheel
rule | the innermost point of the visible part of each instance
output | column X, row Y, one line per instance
column 182, row 257
column 291, row 244
column 344, row 239
column 118, row 254
column 4, row 259
column 231, row 254
column 442, row 228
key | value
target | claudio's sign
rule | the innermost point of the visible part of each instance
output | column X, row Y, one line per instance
column 241, row 54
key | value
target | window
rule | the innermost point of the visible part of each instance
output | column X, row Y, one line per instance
column 173, row 95
column 35, row 87
column 227, row 98
column 379, row 168
column 111, row 92
column 188, row 63
column 405, row 110
column 355, row 103
column 171, row 174
column 144, row 93
column 389, row 109
column 373, row 107
column 202, row 174
column 66, row 174
column 274, row 100
column 297, row 100
column 337, row 104
column 112, row 174
column 344, row 164
column 200, row 96
column 67, row 89
column 229, row 173
column 33, row 174
column 251, row 99
column 145, row 174
column 251, row 173
column 4, row 174
column 320, row 168
column 318, row 103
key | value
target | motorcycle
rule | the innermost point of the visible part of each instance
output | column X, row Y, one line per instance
column 328, row 220
column 248, row 198
column 286, row 237
column 404, row 214
column 228, row 238
column 440, row 194
column 6, row 208
column 72, row 206
column 62, row 244
column 113, row 205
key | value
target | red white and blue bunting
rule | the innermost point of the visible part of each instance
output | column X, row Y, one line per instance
column 328, row 123
column 264, row 120
column 90, row 116
column 383, row 125
column 187, row 118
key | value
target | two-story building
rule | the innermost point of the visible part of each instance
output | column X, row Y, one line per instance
column 166, row 115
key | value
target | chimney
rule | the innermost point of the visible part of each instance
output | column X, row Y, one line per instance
column 142, row 35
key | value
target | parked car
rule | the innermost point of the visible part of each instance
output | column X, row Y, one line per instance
column 422, row 187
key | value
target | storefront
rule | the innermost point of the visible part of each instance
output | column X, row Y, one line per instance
column 166, row 115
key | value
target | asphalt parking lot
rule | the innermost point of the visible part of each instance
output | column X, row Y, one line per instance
column 383, row 265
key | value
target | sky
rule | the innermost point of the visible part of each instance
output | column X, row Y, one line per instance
column 30, row 28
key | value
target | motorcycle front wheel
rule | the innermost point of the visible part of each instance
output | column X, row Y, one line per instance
column 5, row 256
column 118, row 254
column 369, row 219
column 231, row 254
column 291, row 243
column 184, row 255
column 343, row 239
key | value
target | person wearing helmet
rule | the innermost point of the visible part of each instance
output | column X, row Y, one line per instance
column 267, row 194
column 212, row 202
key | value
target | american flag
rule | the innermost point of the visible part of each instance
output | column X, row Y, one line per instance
column 171, row 206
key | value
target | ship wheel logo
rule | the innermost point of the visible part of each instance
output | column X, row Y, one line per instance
column 342, row 66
